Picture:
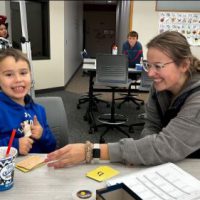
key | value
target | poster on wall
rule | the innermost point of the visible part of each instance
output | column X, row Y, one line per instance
column 186, row 23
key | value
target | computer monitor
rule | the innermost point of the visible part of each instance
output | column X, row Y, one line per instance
column 112, row 70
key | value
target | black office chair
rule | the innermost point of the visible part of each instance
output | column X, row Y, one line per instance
column 145, row 85
column 89, row 96
column 112, row 71
column 130, row 96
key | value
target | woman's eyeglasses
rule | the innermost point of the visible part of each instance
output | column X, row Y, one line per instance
column 157, row 66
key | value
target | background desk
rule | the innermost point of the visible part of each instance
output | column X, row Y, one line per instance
column 89, row 64
column 48, row 184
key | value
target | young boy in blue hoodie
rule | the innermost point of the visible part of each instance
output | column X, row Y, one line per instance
column 17, row 108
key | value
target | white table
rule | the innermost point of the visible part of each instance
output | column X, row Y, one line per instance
column 48, row 184
column 89, row 64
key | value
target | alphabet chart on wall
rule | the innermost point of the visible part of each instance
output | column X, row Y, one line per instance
column 186, row 23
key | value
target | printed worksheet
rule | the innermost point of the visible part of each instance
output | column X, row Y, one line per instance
column 163, row 182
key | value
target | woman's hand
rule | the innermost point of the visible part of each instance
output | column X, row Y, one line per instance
column 71, row 154
column 36, row 129
column 25, row 145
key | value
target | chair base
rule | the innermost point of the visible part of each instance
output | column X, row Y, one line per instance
column 112, row 121
column 111, row 127
column 115, row 119
column 87, row 98
column 131, row 98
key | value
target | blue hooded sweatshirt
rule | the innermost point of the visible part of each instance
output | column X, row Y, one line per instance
column 13, row 114
column 134, row 53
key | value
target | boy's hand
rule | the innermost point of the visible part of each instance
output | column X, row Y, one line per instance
column 25, row 145
column 36, row 129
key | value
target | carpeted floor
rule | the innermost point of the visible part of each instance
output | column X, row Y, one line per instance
column 78, row 128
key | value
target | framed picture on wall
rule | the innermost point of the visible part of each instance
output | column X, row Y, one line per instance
column 178, row 6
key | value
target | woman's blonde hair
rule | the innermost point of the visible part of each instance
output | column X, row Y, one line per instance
column 176, row 46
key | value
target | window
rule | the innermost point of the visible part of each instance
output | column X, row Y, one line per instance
column 38, row 27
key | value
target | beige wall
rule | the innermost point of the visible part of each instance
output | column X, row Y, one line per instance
column 145, row 22
column 73, row 37
column 50, row 73
column 66, row 44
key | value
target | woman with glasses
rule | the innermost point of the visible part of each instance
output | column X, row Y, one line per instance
column 172, row 128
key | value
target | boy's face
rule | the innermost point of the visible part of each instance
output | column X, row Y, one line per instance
column 132, row 41
column 15, row 79
column 3, row 31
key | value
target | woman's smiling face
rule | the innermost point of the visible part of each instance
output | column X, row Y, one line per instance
column 170, row 77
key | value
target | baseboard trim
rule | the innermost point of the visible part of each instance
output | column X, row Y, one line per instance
column 42, row 91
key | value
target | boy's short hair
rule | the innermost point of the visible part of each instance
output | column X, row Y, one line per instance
column 15, row 53
column 133, row 34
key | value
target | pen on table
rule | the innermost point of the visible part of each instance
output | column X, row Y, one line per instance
column 10, row 142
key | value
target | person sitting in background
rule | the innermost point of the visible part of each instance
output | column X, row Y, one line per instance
column 17, row 108
column 133, row 49
column 4, row 42
column 172, row 123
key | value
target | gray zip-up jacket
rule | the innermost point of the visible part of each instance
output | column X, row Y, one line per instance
column 176, row 141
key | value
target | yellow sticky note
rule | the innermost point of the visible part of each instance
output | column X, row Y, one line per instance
column 102, row 173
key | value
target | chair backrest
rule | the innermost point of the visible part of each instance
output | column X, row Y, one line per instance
column 145, row 83
column 56, row 117
column 112, row 70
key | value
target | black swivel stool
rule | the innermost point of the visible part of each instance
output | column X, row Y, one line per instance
column 90, row 97
column 112, row 71
column 144, row 87
column 130, row 96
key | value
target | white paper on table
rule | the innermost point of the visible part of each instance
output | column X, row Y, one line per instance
column 163, row 182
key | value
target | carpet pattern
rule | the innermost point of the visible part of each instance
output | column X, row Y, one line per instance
column 79, row 129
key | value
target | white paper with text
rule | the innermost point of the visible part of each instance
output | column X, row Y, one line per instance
column 163, row 182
